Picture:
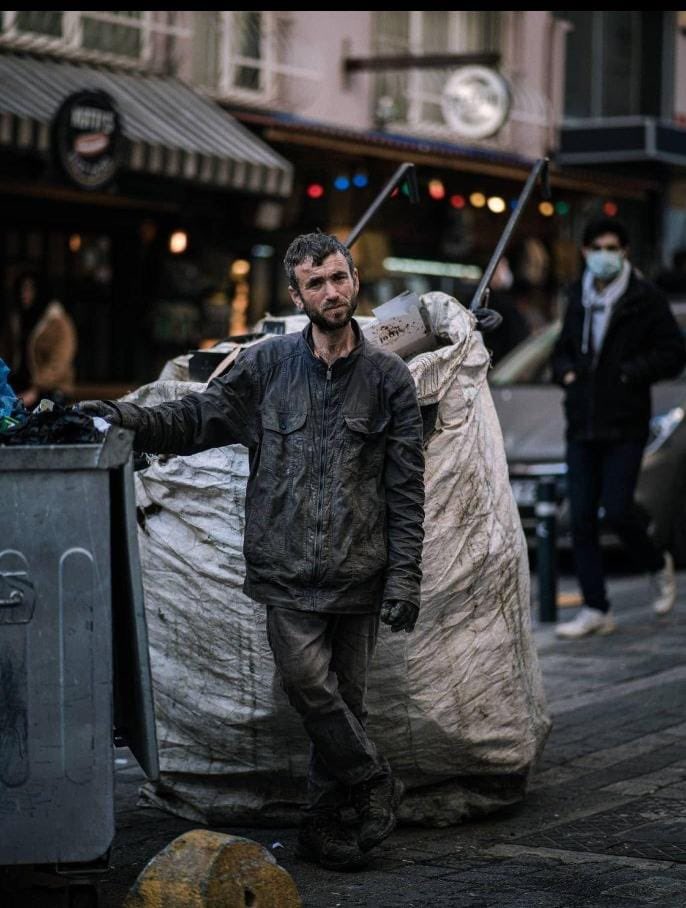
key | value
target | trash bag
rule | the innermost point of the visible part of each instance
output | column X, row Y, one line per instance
column 12, row 410
column 457, row 707
column 56, row 426
column 7, row 395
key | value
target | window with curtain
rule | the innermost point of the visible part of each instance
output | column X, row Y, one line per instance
column 412, row 96
column 234, row 52
column 40, row 22
column 114, row 36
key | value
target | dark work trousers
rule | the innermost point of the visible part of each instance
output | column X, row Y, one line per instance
column 323, row 661
column 605, row 473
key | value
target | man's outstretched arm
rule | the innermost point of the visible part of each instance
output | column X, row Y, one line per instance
column 225, row 413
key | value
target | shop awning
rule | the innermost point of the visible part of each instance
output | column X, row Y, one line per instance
column 291, row 129
column 169, row 129
column 286, row 129
column 615, row 140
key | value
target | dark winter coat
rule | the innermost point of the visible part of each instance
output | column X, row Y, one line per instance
column 334, row 505
column 610, row 398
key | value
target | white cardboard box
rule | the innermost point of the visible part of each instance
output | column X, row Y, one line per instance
column 400, row 327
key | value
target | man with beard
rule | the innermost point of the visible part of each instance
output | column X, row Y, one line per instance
column 334, row 514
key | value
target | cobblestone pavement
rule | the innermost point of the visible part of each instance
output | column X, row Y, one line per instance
column 603, row 826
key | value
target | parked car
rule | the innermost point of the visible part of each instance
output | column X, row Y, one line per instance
column 530, row 411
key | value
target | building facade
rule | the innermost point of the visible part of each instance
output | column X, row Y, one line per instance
column 136, row 198
column 347, row 96
column 184, row 244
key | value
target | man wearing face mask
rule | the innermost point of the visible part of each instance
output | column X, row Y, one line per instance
column 618, row 338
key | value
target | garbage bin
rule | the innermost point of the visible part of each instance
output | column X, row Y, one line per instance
column 73, row 647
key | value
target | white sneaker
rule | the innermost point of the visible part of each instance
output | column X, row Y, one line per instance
column 588, row 621
column 664, row 582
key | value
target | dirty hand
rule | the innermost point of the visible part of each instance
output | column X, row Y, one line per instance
column 102, row 408
column 402, row 616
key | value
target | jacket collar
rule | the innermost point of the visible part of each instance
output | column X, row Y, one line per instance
column 632, row 297
column 343, row 362
column 631, row 300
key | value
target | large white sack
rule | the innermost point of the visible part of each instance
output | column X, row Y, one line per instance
column 457, row 707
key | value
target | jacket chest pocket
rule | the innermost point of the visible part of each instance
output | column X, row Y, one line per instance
column 365, row 444
column 283, row 441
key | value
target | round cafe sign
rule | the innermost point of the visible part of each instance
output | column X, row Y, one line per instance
column 87, row 134
column 476, row 102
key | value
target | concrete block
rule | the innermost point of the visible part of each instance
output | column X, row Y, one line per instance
column 203, row 869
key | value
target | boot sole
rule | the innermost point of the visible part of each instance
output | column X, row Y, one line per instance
column 343, row 866
column 606, row 629
column 601, row 631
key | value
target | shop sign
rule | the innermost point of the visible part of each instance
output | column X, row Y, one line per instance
column 476, row 102
column 87, row 138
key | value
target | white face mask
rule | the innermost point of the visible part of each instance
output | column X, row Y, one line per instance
column 604, row 263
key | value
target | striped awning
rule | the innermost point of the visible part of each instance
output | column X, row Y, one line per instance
column 169, row 129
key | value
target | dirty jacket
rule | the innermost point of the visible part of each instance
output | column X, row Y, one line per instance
column 334, row 503
column 610, row 398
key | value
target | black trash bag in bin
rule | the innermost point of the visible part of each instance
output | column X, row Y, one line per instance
column 59, row 426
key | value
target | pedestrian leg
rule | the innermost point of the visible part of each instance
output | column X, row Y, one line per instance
column 302, row 644
column 342, row 756
column 621, row 466
column 375, row 799
column 584, row 484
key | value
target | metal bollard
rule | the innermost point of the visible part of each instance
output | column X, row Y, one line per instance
column 546, row 549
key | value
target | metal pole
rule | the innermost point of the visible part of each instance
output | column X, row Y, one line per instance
column 540, row 168
column 415, row 61
column 405, row 171
column 546, row 549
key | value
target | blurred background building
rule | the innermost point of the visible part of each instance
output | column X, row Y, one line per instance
column 155, row 164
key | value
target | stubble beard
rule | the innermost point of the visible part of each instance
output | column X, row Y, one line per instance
column 329, row 325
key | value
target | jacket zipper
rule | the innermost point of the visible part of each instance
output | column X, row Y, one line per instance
column 322, row 481
column 616, row 314
column 591, row 374
column 591, row 397
column 594, row 368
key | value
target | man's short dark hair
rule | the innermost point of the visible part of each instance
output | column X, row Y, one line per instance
column 315, row 246
column 599, row 226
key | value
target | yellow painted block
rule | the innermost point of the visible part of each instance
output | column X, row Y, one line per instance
column 204, row 869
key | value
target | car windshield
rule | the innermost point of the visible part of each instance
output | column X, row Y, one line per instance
column 529, row 362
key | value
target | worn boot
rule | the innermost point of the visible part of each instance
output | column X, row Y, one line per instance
column 376, row 802
column 324, row 840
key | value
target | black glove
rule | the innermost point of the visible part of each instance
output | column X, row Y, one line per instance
column 402, row 616
column 487, row 320
column 103, row 408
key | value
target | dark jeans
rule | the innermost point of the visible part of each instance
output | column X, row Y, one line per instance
column 323, row 661
column 605, row 473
